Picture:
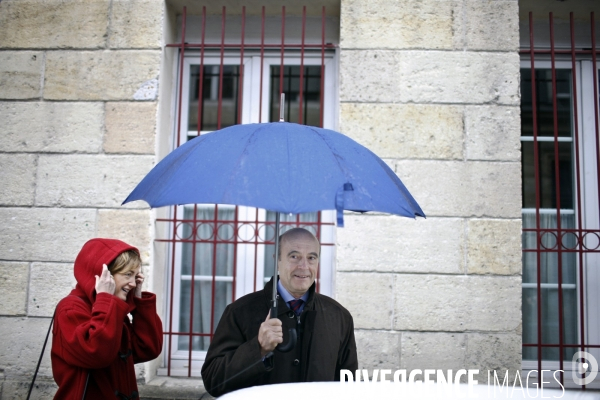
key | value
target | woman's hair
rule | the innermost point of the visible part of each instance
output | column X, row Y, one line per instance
column 125, row 262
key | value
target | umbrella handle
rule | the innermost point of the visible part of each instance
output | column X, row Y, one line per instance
column 284, row 348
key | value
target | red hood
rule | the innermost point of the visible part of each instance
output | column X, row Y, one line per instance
column 89, row 262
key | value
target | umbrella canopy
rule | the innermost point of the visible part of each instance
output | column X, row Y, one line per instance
column 278, row 166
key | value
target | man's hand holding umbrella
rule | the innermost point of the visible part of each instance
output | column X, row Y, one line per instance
column 270, row 334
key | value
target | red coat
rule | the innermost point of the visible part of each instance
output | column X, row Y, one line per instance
column 93, row 332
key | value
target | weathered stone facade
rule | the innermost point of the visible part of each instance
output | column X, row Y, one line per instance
column 431, row 86
column 74, row 139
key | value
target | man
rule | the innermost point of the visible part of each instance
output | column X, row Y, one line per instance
column 239, row 354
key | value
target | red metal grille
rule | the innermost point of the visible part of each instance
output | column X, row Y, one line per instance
column 552, row 156
column 257, row 231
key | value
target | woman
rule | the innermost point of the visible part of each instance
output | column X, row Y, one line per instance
column 95, row 344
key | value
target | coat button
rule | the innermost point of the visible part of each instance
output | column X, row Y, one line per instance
column 296, row 362
column 291, row 314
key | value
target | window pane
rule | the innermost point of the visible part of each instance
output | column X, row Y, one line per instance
column 209, row 252
column 205, row 227
column 549, row 249
column 550, row 327
column 549, row 272
column 208, row 111
column 544, row 103
column 311, row 94
column 547, row 150
column 202, row 311
column 547, row 174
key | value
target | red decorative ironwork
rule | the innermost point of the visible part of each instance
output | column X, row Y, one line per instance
column 561, row 240
column 216, row 231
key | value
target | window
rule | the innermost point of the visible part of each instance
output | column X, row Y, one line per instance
column 554, row 194
column 561, row 226
column 222, row 252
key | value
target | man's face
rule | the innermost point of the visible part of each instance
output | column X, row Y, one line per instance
column 125, row 282
column 299, row 263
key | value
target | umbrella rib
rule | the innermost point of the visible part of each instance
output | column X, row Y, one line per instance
column 403, row 190
column 330, row 149
column 243, row 154
column 387, row 171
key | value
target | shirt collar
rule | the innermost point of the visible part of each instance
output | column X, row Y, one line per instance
column 286, row 296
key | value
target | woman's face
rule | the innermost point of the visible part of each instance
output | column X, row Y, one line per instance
column 125, row 282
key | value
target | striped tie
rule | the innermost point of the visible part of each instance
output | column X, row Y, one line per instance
column 295, row 305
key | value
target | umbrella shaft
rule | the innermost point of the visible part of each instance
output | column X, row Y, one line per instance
column 276, row 273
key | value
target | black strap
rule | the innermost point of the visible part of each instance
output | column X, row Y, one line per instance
column 87, row 379
column 269, row 354
column 41, row 355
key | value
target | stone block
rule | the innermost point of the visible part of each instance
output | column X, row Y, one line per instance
column 19, row 355
column 53, row 24
column 130, row 127
column 13, row 287
column 491, row 25
column 463, row 189
column 378, row 349
column 493, row 133
column 165, row 387
column 20, row 74
column 369, row 76
column 434, row 350
column 49, row 283
column 130, row 226
column 427, row 24
column 136, row 24
column 459, row 77
column 98, row 75
column 368, row 297
column 429, row 77
column 494, row 352
column 396, row 244
column 494, row 247
column 457, row 303
column 17, row 174
column 44, row 234
column 51, row 127
column 89, row 180
column 405, row 130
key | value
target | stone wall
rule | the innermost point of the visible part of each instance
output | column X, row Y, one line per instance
column 78, row 105
column 433, row 87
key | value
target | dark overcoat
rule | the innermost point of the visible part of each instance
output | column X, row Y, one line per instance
column 325, row 345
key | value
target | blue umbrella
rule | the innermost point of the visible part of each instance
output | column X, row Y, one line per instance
column 278, row 166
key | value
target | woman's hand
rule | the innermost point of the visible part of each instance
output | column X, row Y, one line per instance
column 105, row 283
column 139, row 280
